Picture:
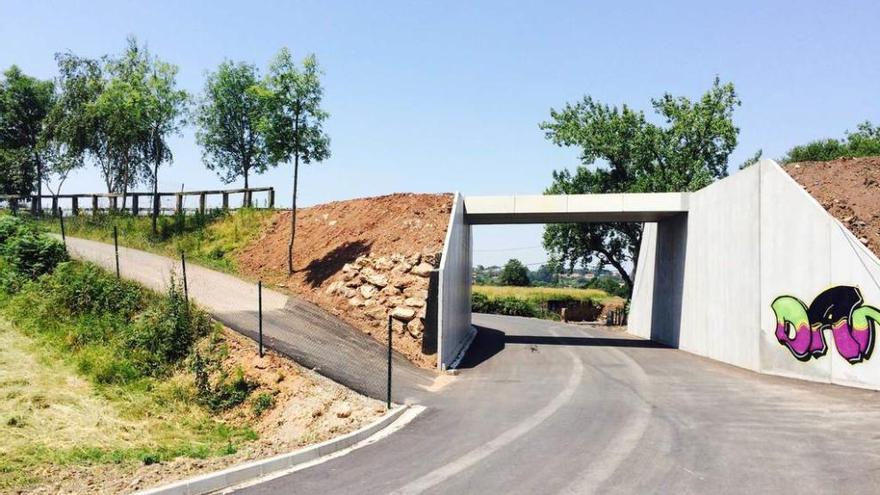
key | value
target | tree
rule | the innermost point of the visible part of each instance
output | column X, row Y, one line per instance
column 515, row 273
column 688, row 153
column 24, row 104
column 229, row 119
column 70, row 129
column 293, row 124
column 122, row 116
column 166, row 107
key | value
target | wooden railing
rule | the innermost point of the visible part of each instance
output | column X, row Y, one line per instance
column 91, row 200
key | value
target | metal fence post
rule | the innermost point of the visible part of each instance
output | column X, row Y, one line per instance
column 185, row 287
column 388, row 397
column 63, row 236
column 116, row 249
column 260, row 312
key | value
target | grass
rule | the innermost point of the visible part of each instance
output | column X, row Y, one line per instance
column 96, row 370
column 50, row 414
column 540, row 295
column 211, row 239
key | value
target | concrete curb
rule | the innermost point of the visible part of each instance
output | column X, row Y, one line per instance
column 239, row 474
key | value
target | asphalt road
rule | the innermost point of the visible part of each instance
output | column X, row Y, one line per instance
column 545, row 407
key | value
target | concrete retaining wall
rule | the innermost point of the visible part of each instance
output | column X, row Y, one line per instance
column 747, row 240
column 454, row 288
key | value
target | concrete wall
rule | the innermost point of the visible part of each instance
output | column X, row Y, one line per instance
column 454, row 288
column 748, row 239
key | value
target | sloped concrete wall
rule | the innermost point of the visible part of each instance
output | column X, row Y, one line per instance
column 454, row 288
column 749, row 239
column 805, row 251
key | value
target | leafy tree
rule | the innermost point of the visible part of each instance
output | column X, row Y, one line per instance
column 166, row 107
column 293, row 124
column 122, row 115
column 24, row 104
column 864, row 142
column 70, row 132
column 229, row 117
column 636, row 155
column 515, row 273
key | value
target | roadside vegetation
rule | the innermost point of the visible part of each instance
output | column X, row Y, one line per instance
column 210, row 239
column 865, row 141
column 97, row 372
column 533, row 301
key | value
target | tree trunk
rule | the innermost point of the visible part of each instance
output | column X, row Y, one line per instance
column 40, row 187
column 246, row 186
column 155, row 214
column 293, row 215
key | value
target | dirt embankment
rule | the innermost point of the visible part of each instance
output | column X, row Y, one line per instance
column 849, row 188
column 361, row 260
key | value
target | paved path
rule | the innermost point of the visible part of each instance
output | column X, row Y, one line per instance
column 551, row 408
column 306, row 333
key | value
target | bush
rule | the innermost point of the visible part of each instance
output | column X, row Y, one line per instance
column 225, row 392
column 33, row 254
column 262, row 403
column 510, row 306
column 83, row 288
column 166, row 332
column 864, row 142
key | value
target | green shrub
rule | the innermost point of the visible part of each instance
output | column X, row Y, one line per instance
column 225, row 392
column 83, row 288
column 33, row 254
column 166, row 332
column 262, row 403
column 507, row 305
column 864, row 142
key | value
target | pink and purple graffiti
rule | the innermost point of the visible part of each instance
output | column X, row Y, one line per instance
column 839, row 309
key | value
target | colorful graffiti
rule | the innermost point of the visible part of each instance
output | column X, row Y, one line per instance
column 801, row 328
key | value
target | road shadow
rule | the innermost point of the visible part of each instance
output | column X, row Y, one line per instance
column 490, row 342
column 486, row 344
column 583, row 341
column 321, row 269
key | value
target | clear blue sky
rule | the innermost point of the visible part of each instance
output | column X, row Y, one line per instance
column 446, row 96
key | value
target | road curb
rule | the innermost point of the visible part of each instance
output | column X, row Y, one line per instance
column 235, row 475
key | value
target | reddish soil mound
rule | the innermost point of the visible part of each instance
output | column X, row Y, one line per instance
column 332, row 235
column 849, row 188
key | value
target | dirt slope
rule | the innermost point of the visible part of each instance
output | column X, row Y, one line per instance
column 358, row 259
column 849, row 188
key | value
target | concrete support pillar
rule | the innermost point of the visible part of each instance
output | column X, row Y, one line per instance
column 135, row 207
column 225, row 200
column 178, row 203
column 272, row 197
column 202, row 203
column 94, row 205
column 74, row 206
column 114, row 203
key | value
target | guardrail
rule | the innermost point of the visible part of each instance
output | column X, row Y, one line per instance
column 90, row 201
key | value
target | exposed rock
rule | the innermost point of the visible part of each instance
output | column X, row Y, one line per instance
column 423, row 270
column 335, row 287
column 343, row 410
column 398, row 327
column 416, row 292
column 403, row 313
column 391, row 290
column 383, row 263
column 356, row 302
column 414, row 302
column 367, row 291
column 379, row 281
column 415, row 328
column 376, row 312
